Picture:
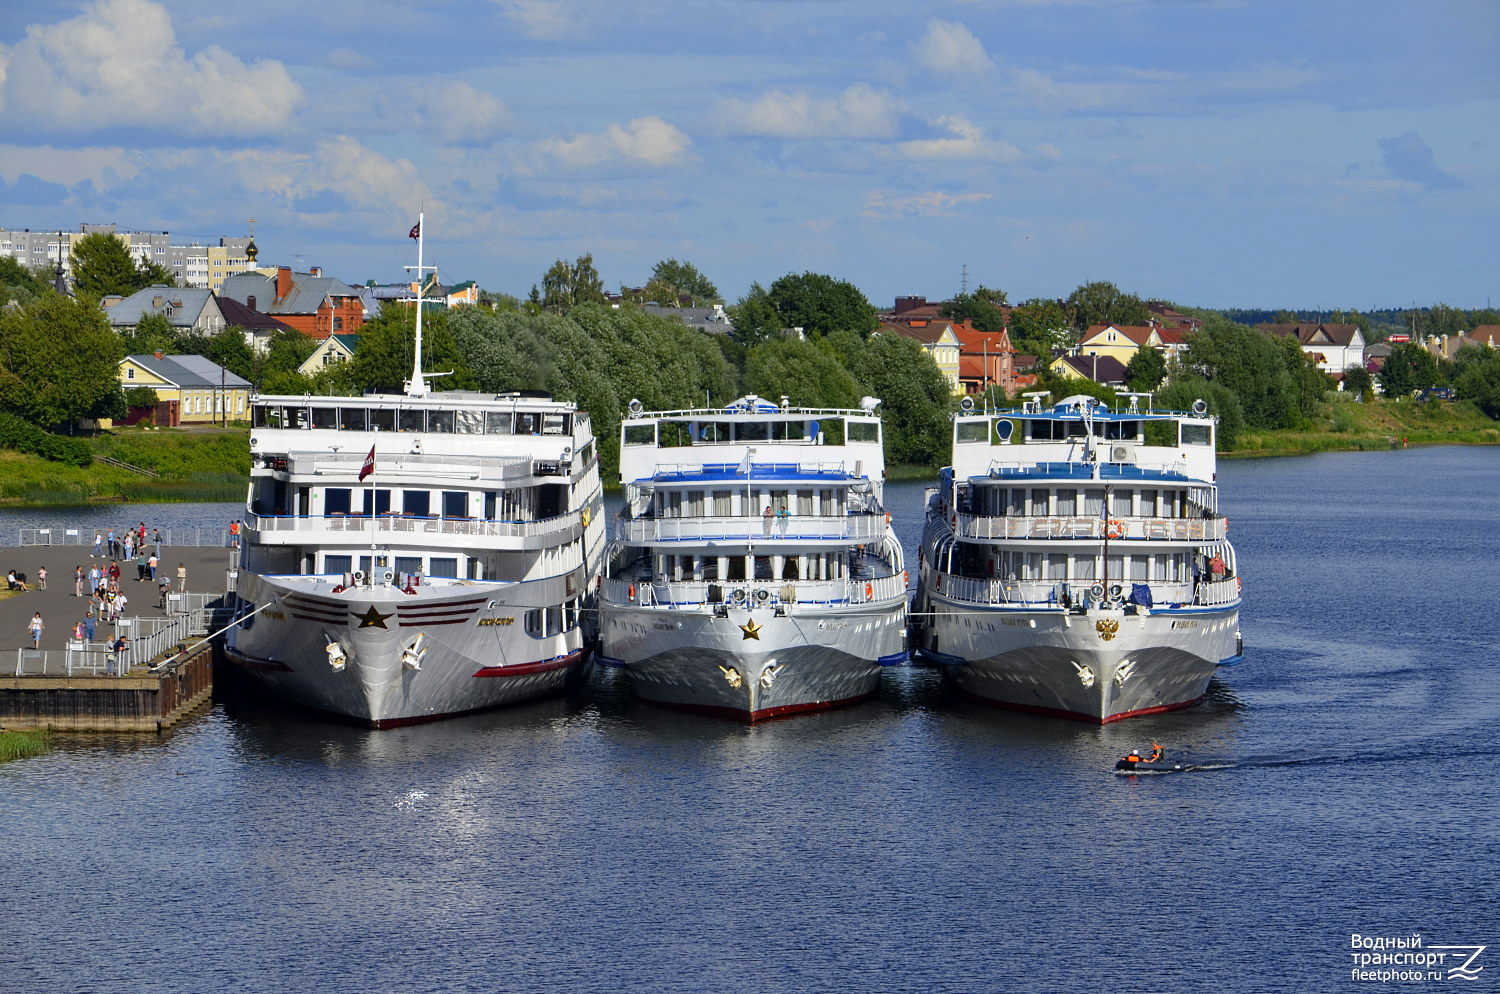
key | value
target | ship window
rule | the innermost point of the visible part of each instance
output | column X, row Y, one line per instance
column 382, row 502
column 1057, row 566
column 786, row 431
column 1119, row 503
column 1148, row 503
column 352, row 418
column 445, row 567
column 714, row 431
column 751, row 431
column 337, row 564
column 416, row 503
column 1159, row 567
column 863, row 431
column 804, row 502
column 1093, row 503
column 440, row 421
column 408, row 564
column 526, row 423
column 455, row 504
column 412, row 420
column 325, row 417
column 695, row 503
column 382, row 420
column 1197, row 434
column 723, row 503
column 552, row 424
column 267, row 417
column 336, row 500
column 1084, row 567
column 1067, row 502
column 1017, row 502
column 736, row 568
column 763, row 568
column 1139, row 568
column 640, row 434
column 972, row 431
column 469, row 423
column 1039, row 503
column 499, row 422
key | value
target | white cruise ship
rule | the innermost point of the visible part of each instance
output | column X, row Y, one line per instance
column 1075, row 560
column 413, row 556
column 753, row 571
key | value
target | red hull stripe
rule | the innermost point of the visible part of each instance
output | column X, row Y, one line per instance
column 540, row 666
column 429, row 622
column 764, row 713
column 329, row 618
column 1079, row 715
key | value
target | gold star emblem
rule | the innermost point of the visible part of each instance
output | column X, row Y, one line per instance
column 372, row 618
column 751, row 630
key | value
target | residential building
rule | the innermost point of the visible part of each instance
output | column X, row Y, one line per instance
column 187, row 309
column 1103, row 369
column 189, row 390
column 331, row 351
column 257, row 327
column 1121, row 342
column 985, row 359
column 710, row 320
column 1334, row 347
column 194, row 264
column 1447, row 346
column 939, row 341
column 314, row 304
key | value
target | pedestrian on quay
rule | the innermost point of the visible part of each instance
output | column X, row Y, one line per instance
column 98, row 545
column 78, row 631
column 162, row 586
column 94, row 577
column 151, row 565
column 36, row 630
column 156, row 538
column 120, row 601
column 140, row 535
column 114, row 572
column 41, row 578
column 88, row 625
column 234, row 534
column 182, row 578
column 78, row 577
column 127, row 546
column 109, row 542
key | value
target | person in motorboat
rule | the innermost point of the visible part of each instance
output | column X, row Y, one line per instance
column 1156, row 752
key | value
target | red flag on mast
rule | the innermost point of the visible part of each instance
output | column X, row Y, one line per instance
column 369, row 466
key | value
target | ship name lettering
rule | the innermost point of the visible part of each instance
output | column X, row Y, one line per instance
column 274, row 614
column 497, row 621
column 1015, row 622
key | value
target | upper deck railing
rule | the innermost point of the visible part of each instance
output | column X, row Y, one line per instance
column 312, row 527
column 848, row 528
column 987, row 528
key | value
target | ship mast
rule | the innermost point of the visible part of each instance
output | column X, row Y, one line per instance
column 417, row 385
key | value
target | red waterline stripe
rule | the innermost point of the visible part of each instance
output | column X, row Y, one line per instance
column 540, row 666
column 1079, row 715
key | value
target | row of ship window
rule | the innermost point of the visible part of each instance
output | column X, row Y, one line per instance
column 1174, row 567
column 1124, row 502
column 743, row 502
column 414, row 420
column 813, row 566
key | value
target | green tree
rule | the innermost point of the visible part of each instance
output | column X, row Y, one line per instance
column 912, row 391
column 275, row 369
column 151, row 332
column 103, row 265
column 226, row 347
column 808, row 372
column 1146, row 369
column 1104, row 303
column 1037, row 327
column 1476, row 377
column 755, row 317
column 59, row 359
column 983, row 309
column 1358, row 382
column 565, row 287
column 1409, row 368
column 19, row 283
column 1309, row 383
column 1249, row 365
column 683, row 278
column 1222, row 403
column 821, row 305
column 383, row 361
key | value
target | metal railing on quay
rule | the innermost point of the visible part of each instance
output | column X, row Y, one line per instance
column 84, row 538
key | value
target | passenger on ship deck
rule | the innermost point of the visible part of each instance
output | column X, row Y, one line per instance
column 1216, row 567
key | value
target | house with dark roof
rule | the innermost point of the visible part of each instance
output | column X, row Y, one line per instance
column 189, row 390
column 258, row 327
column 194, row 309
column 314, row 304
column 1103, row 369
column 938, row 340
column 331, row 351
column 1447, row 346
column 710, row 320
column 1339, row 345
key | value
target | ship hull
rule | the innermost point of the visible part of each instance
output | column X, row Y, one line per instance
column 401, row 658
column 753, row 665
column 1052, row 663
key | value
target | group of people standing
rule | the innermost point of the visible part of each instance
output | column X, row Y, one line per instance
column 126, row 544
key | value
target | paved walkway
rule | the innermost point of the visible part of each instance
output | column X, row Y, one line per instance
column 206, row 567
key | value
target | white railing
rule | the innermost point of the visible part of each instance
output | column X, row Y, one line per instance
column 839, row 528
column 759, row 468
column 175, row 537
column 694, row 594
column 145, row 639
column 1000, row 527
column 392, row 524
column 1051, row 592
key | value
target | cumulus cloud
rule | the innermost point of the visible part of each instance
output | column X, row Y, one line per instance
column 118, row 63
column 952, row 49
column 861, row 111
column 963, row 141
column 544, row 19
column 340, row 165
column 645, row 140
column 935, row 203
column 1410, row 159
column 457, row 112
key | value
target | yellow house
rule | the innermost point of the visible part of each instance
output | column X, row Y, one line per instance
column 1119, row 341
column 189, row 390
column 937, row 340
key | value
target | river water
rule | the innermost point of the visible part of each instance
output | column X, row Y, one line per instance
column 914, row 843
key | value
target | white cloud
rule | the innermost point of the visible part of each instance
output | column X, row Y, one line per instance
column 861, row 111
column 545, row 19
column 338, row 165
column 966, row 142
column 118, row 63
column 100, row 164
column 645, row 140
column 951, row 49
column 932, row 204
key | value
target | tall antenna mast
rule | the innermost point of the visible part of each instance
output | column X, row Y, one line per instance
column 964, row 283
column 417, row 385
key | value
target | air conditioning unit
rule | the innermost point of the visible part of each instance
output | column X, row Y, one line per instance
column 1121, row 453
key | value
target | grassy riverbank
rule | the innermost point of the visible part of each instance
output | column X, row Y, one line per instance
column 193, row 465
column 20, row 745
column 1344, row 426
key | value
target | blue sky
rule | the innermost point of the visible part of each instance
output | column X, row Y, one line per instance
column 1219, row 154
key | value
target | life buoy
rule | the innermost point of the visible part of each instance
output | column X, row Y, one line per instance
column 905, row 578
column 585, row 517
column 1115, row 528
column 1236, row 584
column 632, row 591
column 1226, row 526
column 888, row 517
column 869, row 591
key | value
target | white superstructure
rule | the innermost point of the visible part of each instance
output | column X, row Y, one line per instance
column 753, row 571
column 1075, row 560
